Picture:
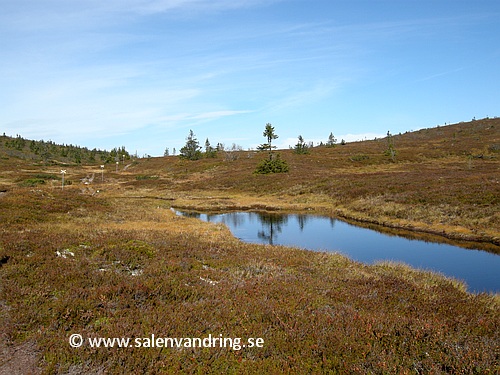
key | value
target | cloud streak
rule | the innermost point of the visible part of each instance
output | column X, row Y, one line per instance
column 441, row 74
column 55, row 14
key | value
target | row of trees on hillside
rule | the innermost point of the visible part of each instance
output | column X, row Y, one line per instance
column 49, row 150
column 303, row 148
column 193, row 151
column 273, row 163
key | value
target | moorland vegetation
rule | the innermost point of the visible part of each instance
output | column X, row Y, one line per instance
column 107, row 257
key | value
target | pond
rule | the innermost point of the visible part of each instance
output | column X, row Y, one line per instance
column 479, row 269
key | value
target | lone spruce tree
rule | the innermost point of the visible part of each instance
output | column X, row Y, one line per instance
column 391, row 151
column 270, row 135
column 210, row 152
column 272, row 164
column 331, row 140
column 191, row 150
column 301, row 147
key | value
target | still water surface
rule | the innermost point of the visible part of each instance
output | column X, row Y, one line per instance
column 479, row 269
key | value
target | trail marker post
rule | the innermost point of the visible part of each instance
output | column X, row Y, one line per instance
column 63, row 172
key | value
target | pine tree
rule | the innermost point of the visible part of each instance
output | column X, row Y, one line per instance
column 270, row 135
column 191, row 150
column 301, row 147
column 271, row 165
column 391, row 151
column 210, row 152
column 331, row 141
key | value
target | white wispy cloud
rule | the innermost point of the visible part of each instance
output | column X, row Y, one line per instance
column 197, row 6
column 217, row 114
column 440, row 74
column 54, row 14
column 301, row 98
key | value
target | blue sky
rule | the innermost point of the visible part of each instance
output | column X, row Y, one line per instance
column 142, row 73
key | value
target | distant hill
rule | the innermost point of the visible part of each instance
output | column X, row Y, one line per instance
column 464, row 138
column 476, row 139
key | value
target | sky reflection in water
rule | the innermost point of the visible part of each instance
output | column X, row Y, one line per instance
column 479, row 269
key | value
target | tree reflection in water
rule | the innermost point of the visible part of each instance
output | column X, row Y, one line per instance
column 478, row 268
column 272, row 224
